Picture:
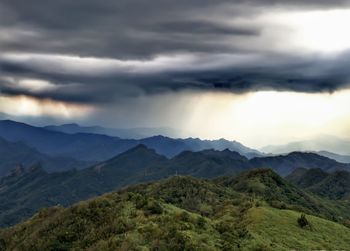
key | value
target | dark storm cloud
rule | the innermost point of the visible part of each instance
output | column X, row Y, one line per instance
column 301, row 75
column 142, row 31
column 122, row 29
column 203, row 27
column 132, row 28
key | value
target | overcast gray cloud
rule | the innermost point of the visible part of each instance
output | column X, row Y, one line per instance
column 98, row 51
column 132, row 28
column 101, row 81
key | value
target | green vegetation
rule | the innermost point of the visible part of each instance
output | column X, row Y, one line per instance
column 279, row 193
column 274, row 229
column 303, row 222
column 184, row 213
column 335, row 185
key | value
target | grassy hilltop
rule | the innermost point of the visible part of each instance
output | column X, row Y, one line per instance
column 185, row 213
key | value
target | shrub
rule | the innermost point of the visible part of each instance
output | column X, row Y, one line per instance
column 140, row 201
column 206, row 209
column 184, row 216
column 201, row 222
column 347, row 223
column 302, row 221
column 154, row 207
column 2, row 244
column 278, row 204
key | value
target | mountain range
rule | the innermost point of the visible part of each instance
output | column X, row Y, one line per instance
column 26, row 190
column 337, row 157
column 126, row 133
column 97, row 147
column 285, row 164
column 322, row 143
column 317, row 145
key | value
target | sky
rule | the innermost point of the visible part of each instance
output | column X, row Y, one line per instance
column 260, row 72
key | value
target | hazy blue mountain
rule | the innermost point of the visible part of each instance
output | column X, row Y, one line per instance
column 94, row 147
column 286, row 164
column 18, row 154
column 75, row 128
column 171, row 147
column 321, row 143
column 168, row 146
column 337, row 157
column 97, row 147
column 81, row 146
column 126, row 133
column 220, row 145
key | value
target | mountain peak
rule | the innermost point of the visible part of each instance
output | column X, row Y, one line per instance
column 227, row 153
column 140, row 147
column 140, row 150
column 139, row 153
column 158, row 137
column 71, row 124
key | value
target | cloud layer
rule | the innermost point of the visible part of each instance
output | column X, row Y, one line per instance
column 87, row 51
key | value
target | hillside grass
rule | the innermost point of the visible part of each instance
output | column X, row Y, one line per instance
column 274, row 229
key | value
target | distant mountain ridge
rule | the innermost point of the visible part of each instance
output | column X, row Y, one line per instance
column 337, row 157
column 132, row 133
column 285, row 164
column 139, row 133
column 18, row 154
column 97, row 147
column 322, row 143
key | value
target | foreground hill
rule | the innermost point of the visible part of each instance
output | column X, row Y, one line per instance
column 279, row 193
column 19, row 154
column 179, row 213
column 334, row 185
